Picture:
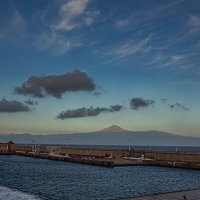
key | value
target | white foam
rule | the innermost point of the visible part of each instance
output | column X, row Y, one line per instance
column 9, row 194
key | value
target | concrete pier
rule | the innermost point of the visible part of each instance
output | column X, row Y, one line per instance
column 183, row 195
column 97, row 162
column 105, row 157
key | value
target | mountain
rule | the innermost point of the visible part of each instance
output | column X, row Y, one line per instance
column 113, row 135
column 113, row 129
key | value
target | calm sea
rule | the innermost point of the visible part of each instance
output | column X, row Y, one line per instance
column 27, row 178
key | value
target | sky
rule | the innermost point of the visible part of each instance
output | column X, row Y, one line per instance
column 83, row 65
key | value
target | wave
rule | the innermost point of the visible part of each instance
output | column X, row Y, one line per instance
column 10, row 194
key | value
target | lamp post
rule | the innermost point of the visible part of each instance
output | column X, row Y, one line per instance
column 129, row 140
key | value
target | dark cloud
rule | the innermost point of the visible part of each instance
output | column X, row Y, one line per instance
column 97, row 93
column 40, row 86
column 164, row 100
column 87, row 112
column 115, row 108
column 138, row 102
column 12, row 106
column 99, row 90
column 178, row 106
column 31, row 102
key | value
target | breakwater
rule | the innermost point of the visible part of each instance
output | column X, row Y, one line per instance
column 106, row 157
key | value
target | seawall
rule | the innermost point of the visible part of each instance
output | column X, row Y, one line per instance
column 106, row 157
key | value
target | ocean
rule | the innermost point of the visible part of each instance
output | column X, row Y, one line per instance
column 28, row 178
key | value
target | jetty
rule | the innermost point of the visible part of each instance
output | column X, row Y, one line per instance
column 182, row 195
column 105, row 157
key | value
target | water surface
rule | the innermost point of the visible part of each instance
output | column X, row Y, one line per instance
column 46, row 179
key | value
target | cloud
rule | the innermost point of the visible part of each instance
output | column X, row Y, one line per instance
column 56, row 85
column 177, row 58
column 74, row 14
column 31, row 102
column 13, row 26
column 194, row 23
column 88, row 112
column 131, row 48
column 146, row 15
column 115, row 108
column 139, row 102
column 97, row 93
column 62, row 33
column 164, row 100
column 121, row 23
column 18, row 21
column 57, row 43
column 12, row 106
column 178, row 106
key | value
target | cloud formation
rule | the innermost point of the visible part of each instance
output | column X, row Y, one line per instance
column 58, row 44
column 194, row 22
column 12, row 106
column 145, row 15
column 178, row 106
column 139, row 102
column 74, row 14
column 131, row 48
column 62, row 31
column 31, row 102
column 56, row 85
column 87, row 112
column 13, row 27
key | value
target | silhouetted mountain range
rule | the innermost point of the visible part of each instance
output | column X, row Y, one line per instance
column 113, row 135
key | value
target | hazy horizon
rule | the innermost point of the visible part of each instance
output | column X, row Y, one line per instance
column 84, row 65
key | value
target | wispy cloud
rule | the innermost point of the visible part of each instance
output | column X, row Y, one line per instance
column 18, row 21
column 63, row 32
column 163, row 53
column 141, row 17
column 13, row 26
column 74, row 14
column 56, row 43
column 194, row 23
column 130, row 48
column 122, row 23
column 176, row 62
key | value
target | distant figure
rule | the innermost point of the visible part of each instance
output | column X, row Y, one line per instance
column 184, row 197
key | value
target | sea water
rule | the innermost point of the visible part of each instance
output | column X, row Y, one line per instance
column 12, row 194
column 33, row 179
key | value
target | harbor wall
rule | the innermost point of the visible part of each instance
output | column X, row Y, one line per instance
column 169, row 156
column 168, row 159
column 75, row 151
column 157, row 156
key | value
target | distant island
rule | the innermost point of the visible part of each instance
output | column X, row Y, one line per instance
column 113, row 135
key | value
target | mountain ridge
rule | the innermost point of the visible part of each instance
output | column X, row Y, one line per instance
column 112, row 135
column 112, row 129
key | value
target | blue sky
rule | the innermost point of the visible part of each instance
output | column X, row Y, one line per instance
column 139, row 61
